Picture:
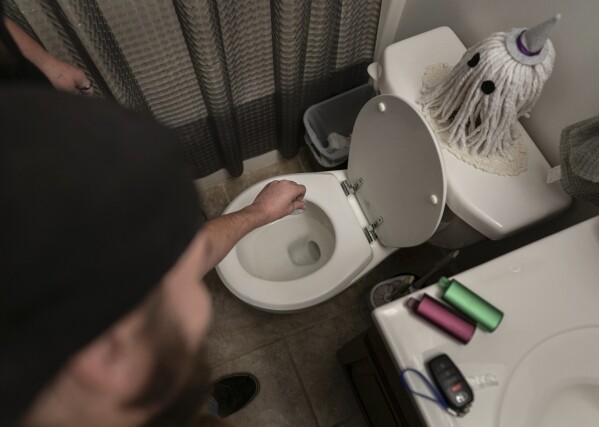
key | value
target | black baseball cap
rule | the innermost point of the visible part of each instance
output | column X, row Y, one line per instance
column 96, row 205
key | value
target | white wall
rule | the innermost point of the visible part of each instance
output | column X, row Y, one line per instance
column 572, row 92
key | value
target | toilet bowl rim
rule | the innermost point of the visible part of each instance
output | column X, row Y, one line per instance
column 346, row 230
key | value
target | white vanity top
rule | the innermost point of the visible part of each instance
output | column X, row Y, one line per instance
column 541, row 365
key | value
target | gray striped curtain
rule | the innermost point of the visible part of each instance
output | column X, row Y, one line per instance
column 231, row 77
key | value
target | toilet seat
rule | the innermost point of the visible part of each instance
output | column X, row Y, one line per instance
column 351, row 254
column 396, row 159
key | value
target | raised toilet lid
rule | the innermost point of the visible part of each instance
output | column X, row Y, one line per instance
column 403, row 178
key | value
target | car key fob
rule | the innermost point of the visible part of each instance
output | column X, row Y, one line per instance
column 451, row 384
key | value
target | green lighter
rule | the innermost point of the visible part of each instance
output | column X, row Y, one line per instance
column 478, row 309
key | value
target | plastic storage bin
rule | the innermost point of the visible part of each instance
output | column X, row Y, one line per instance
column 337, row 114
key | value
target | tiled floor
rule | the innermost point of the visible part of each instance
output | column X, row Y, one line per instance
column 294, row 355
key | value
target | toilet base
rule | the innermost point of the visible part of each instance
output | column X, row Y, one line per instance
column 454, row 233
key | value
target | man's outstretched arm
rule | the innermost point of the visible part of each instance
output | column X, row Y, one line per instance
column 218, row 236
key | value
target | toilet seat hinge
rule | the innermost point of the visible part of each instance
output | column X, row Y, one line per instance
column 348, row 188
column 370, row 230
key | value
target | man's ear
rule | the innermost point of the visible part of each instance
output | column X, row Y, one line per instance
column 117, row 363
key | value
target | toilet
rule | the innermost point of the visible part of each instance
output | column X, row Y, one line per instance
column 400, row 190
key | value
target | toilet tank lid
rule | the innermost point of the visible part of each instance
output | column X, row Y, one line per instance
column 400, row 170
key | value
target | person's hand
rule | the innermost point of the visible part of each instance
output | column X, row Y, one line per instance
column 63, row 76
column 278, row 199
column 66, row 77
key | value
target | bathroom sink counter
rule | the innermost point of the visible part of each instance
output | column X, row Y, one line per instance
column 548, row 292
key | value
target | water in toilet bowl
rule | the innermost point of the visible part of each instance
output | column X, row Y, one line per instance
column 304, row 251
column 290, row 248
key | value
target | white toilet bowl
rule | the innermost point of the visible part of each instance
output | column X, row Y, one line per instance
column 264, row 269
column 392, row 195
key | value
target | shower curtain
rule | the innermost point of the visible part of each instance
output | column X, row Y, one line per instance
column 231, row 77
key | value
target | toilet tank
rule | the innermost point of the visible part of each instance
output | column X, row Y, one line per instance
column 495, row 206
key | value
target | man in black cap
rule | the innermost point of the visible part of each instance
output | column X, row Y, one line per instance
column 103, row 314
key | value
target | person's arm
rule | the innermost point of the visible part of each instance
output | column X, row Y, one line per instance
column 218, row 236
column 63, row 76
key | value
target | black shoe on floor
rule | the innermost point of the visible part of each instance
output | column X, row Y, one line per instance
column 235, row 391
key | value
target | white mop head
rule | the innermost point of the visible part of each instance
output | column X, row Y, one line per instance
column 496, row 82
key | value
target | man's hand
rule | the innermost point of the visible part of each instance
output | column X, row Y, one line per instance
column 63, row 76
column 278, row 199
column 219, row 235
column 66, row 77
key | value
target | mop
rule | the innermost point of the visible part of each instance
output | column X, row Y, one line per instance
column 497, row 81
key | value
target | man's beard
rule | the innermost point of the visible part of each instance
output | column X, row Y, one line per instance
column 179, row 380
column 188, row 399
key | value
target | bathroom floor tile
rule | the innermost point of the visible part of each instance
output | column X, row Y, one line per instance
column 281, row 401
column 356, row 421
column 314, row 352
column 303, row 158
column 236, row 327
column 234, row 186
column 291, row 324
column 214, row 200
column 353, row 298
